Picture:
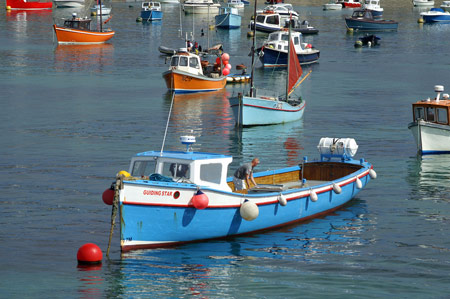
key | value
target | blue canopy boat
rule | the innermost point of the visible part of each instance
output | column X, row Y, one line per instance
column 228, row 18
column 151, row 11
column 363, row 20
column 436, row 15
column 173, row 197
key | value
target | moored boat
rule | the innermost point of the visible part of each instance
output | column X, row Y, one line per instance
column 283, row 9
column 374, row 7
column 332, row 5
column 100, row 9
column 78, row 31
column 169, row 198
column 269, row 21
column 28, row 5
column 235, row 3
column 350, row 3
column 151, row 11
column 69, row 3
column 274, row 51
column 430, row 126
column 228, row 18
column 445, row 5
column 201, row 7
column 188, row 74
column 363, row 20
column 436, row 15
column 423, row 2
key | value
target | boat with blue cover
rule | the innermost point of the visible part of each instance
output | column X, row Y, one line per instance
column 274, row 51
column 436, row 15
column 169, row 198
column 228, row 18
column 151, row 11
column 364, row 20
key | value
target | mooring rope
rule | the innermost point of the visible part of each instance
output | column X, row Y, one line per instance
column 115, row 208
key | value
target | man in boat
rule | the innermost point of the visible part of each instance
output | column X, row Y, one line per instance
column 244, row 174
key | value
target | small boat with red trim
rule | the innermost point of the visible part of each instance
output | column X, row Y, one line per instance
column 78, row 31
column 28, row 5
column 188, row 74
column 172, row 197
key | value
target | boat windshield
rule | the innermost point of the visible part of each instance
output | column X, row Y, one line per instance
column 78, row 24
column 176, row 170
column 143, row 168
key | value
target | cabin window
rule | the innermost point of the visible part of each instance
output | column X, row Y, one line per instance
column 183, row 61
column 296, row 40
column 174, row 61
column 272, row 20
column 273, row 37
column 143, row 168
column 430, row 114
column 418, row 113
column 176, row 170
column 211, row 172
column 442, row 115
column 260, row 19
column 285, row 37
column 193, row 62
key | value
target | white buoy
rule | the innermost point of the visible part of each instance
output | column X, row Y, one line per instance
column 358, row 183
column 249, row 210
column 313, row 196
column 372, row 174
column 336, row 188
column 282, row 200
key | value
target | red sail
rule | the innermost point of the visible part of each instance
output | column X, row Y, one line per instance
column 295, row 70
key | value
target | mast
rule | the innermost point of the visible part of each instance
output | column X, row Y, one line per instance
column 99, row 2
column 289, row 59
column 252, row 88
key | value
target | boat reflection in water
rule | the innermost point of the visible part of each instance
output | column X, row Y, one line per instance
column 83, row 57
column 199, row 268
column 430, row 177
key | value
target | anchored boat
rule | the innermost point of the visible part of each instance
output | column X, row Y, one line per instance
column 364, row 20
column 430, row 126
column 173, row 197
column 28, row 5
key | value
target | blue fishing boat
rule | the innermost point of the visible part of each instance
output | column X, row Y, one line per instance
column 228, row 18
column 436, row 15
column 274, row 51
column 151, row 11
column 364, row 20
column 172, row 197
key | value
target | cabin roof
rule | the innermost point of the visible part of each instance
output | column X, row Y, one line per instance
column 183, row 155
column 433, row 102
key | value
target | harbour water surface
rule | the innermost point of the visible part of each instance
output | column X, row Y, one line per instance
column 72, row 116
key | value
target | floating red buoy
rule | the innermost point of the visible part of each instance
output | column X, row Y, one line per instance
column 89, row 253
column 108, row 196
column 200, row 200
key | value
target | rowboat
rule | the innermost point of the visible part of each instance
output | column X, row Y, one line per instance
column 430, row 126
column 78, row 31
column 188, row 74
column 167, row 198
column 28, row 5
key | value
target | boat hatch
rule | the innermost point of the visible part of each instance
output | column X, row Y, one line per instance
column 204, row 170
column 78, row 24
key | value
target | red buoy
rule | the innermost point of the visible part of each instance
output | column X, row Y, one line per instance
column 89, row 253
column 200, row 200
column 108, row 196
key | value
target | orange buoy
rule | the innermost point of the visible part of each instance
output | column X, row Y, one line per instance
column 108, row 196
column 89, row 253
column 200, row 200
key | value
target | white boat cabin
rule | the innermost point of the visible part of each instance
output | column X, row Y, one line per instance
column 283, row 9
column 433, row 111
column 151, row 6
column 272, row 20
column 201, row 169
column 279, row 41
column 186, row 62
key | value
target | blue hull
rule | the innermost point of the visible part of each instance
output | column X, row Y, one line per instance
column 436, row 19
column 274, row 58
column 253, row 111
column 228, row 21
column 151, row 15
column 151, row 225
column 375, row 25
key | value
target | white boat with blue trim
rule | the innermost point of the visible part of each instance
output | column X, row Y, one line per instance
column 173, row 197
column 430, row 126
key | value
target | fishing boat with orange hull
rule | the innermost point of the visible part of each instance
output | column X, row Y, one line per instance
column 188, row 74
column 28, row 5
column 78, row 31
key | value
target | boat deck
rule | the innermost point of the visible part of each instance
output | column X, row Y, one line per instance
column 284, row 186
